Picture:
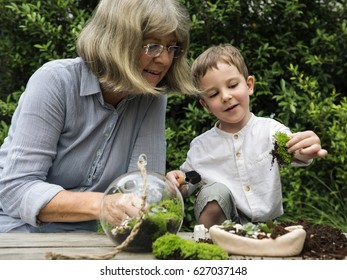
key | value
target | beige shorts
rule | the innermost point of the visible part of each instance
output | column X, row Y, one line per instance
column 223, row 196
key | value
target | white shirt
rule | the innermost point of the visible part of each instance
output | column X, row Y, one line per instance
column 242, row 161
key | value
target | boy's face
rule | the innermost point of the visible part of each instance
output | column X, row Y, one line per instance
column 226, row 95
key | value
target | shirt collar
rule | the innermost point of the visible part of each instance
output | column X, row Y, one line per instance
column 89, row 82
column 240, row 132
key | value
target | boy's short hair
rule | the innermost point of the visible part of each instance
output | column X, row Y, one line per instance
column 212, row 56
column 111, row 43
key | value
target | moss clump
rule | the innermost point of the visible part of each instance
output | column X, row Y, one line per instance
column 160, row 218
column 280, row 150
column 173, row 247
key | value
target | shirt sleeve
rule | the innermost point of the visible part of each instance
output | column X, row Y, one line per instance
column 34, row 133
column 188, row 164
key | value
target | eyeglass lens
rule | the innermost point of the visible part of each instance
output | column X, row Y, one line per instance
column 154, row 50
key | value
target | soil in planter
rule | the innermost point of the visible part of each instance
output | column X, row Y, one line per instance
column 322, row 242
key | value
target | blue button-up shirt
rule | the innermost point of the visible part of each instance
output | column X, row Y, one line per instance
column 63, row 136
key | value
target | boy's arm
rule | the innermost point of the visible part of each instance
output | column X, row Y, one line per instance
column 305, row 145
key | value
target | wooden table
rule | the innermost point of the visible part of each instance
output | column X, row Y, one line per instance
column 35, row 246
column 22, row 256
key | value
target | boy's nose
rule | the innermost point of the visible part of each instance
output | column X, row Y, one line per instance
column 226, row 97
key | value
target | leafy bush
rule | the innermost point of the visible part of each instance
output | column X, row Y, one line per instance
column 295, row 50
column 319, row 192
column 32, row 33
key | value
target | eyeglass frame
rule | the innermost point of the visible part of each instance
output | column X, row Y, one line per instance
column 162, row 48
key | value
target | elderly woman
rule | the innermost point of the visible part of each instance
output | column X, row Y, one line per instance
column 82, row 122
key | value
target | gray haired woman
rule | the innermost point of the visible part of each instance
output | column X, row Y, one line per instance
column 83, row 122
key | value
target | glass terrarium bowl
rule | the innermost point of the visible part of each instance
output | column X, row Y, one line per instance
column 164, row 212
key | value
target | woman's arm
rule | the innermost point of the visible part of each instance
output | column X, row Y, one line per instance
column 69, row 206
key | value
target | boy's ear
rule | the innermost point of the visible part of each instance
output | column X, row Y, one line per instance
column 203, row 103
column 250, row 84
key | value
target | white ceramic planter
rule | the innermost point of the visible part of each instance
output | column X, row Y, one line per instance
column 289, row 244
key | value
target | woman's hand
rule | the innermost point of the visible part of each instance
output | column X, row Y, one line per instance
column 119, row 207
column 306, row 145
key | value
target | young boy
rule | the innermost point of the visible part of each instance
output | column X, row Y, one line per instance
column 233, row 158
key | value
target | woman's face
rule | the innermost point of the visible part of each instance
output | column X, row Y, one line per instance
column 155, row 68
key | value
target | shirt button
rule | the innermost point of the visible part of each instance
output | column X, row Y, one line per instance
column 238, row 154
column 236, row 136
column 247, row 188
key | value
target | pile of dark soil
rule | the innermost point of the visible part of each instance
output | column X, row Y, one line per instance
column 322, row 242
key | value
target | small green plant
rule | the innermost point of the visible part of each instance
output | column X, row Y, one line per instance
column 280, row 150
column 270, row 229
column 171, row 246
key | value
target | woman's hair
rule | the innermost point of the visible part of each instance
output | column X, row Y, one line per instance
column 111, row 44
column 209, row 59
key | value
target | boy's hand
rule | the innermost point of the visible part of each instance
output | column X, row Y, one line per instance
column 306, row 145
column 178, row 178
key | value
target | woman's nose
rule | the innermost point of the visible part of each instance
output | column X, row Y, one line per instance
column 164, row 58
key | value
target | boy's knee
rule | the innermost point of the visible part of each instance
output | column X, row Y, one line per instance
column 216, row 199
column 212, row 214
column 213, row 208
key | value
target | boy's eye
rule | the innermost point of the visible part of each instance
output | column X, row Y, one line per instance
column 213, row 94
column 233, row 86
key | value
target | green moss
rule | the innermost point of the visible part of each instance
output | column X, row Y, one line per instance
column 171, row 246
column 160, row 218
column 172, row 205
column 166, row 216
column 280, row 151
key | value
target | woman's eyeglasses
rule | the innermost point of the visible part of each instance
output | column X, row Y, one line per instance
column 154, row 50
